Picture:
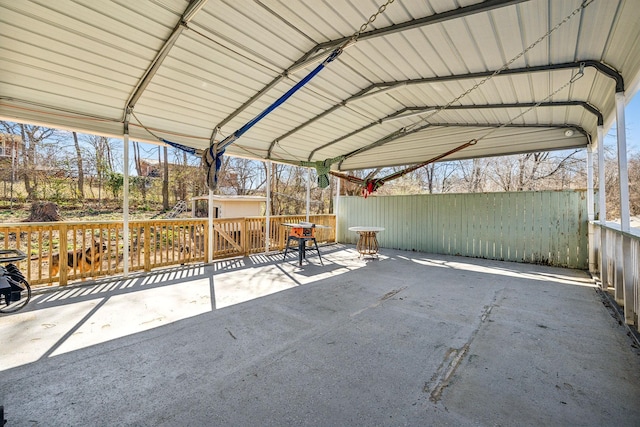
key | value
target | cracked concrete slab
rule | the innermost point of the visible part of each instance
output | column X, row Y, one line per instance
column 409, row 339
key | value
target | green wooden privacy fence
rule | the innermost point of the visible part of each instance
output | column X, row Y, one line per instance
column 541, row 227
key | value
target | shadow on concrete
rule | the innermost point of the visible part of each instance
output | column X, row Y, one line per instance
column 409, row 339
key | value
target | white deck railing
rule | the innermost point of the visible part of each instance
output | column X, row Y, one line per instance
column 617, row 264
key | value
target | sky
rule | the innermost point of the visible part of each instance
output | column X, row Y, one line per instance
column 632, row 119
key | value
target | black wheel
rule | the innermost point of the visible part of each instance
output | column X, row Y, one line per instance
column 11, row 305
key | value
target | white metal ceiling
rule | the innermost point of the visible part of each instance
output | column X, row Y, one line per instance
column 78, row 64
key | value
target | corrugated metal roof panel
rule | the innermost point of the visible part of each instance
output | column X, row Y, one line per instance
column 77, row 64
column 442, row 139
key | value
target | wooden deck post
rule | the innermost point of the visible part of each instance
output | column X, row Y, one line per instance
column 62, row 249
column 244, row 236
column 147, row 247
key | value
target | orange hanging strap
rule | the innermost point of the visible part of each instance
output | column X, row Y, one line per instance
column 372, row 185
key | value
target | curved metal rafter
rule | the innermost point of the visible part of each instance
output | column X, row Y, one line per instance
column 438, row 18
column 192, row 9
column 323, row 49
column 598, row 65
column 384, row 87
column 399, row 134
column 590, row 108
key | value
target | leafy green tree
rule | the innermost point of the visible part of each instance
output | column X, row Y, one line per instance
column 115, row 182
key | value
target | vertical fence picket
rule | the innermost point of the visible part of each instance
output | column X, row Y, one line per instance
column 537, row 227
column 153, row 243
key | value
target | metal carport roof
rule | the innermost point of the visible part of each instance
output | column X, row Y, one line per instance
column 183, row 69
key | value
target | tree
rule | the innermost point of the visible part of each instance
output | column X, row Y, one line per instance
column 32, row 137
column 141, row 181
column 612, row 182
column 99, row 162
column 187, row 175
column 473, row 174
column 165, row 179
column 430, row 176
column 80, row 191
column 289, row 189
column 538, row 167
column 115, row 183
column 634, row 184
column 241, row 176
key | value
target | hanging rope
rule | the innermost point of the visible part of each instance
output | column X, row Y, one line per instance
column 577, row 10
column 369, row 186
column 189, row 150
column 425, row 118
column 213, row 156
column 572, row 80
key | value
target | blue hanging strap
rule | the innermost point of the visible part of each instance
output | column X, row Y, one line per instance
column 189, row 150
column 213, row 168
column 213, row 159
column 237, row 134
column 213, row 156
column 211, row 178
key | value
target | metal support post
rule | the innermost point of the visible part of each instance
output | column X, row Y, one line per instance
column 267, row 214
column 210, row 224
column 624, row 264
column 623, row 166
column 590, row 210
column 602, row 212
column 590, row 191
column 125, row 207
column 336, row 209
column 308, row 192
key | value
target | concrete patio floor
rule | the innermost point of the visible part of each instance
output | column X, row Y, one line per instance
column 408, row 339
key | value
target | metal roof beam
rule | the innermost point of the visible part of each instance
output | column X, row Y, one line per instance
column 590, row 108
column 386, row 86
column 399, row 134
column 414, row 111
column 192, row 9
column 461, row 12
column 312, row 54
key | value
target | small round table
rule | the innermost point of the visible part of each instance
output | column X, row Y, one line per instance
column 367, row 240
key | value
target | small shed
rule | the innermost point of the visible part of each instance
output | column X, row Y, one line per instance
column 229, row 206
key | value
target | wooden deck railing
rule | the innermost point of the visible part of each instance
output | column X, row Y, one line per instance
column 93, row 249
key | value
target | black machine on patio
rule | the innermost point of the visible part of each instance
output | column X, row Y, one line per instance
column 15, row 291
